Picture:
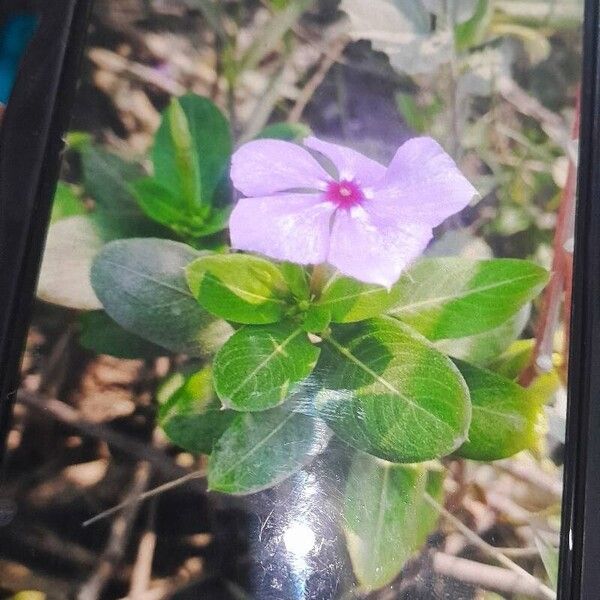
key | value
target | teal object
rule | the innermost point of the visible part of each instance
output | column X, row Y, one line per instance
column 14, row 37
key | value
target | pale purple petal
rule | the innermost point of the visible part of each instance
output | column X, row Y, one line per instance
column 265, row 167
column 349, row 163
column 373, row 249
column 293, row 227
column 423, row 184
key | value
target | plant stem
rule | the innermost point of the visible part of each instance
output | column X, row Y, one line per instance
column 454, row 131
column 318, row 279
column 272, row 33
column 121, row 530
column 329, row 58
column 558, row 290
column 165, row 487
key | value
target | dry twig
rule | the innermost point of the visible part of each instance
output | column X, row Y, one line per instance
column 144, row 496
column 142, row 569
column 530, row 473
column 111, row 61
column 131, row 447
column 487, row 577
column 119, row 535
column 543, row 591
column 329, row 59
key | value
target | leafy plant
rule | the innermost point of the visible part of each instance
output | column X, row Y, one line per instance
column 280, row 357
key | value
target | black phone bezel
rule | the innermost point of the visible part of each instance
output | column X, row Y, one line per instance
column 579, row 575
column 32, row 131
column 31, row 142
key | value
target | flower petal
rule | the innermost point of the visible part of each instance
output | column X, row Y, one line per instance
column 265, row 167
column 372, row 249
column 349, row 163
column 293, row 227
column 424, row 184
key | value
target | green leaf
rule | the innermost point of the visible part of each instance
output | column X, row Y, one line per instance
column 481, row 348
column 350, row 300
column 386, row 391
column 472, row 32
column 505, row 416
column 239, row 287
column 316, row 319
column 74, row 241
column 260, row 366
column 515, row 360
column 162, row 206
column 71, row 247
column 418, row 116
column 291, row 132
column 191, row 415
column 107, row 179
column 382, row 505
column 260, row 450
column 428, row 516
column 216, row 221
column 78, row 140
column 191, row 151
column 455, row 297
column 141, row 284
column 184, row 180
column 296, row 278
column 279, row 4
column 66, row 203
column 102, row 335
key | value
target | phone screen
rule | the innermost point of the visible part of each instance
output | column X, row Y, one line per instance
column 15, row 33
column 302, row 328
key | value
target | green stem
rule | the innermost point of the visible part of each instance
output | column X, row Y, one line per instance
column 318, row 279
column 452, row 74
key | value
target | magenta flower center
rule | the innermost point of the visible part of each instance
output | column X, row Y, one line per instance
column 344, row 193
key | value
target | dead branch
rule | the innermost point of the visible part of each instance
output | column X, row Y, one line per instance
column 485, row 576
column 530, row 473
column 543, row 591
column 63, row 413
column 142, row 569
column 553, row 124
column 144, row 496
column 111, row 61
column 119, row 535
column 330, row 57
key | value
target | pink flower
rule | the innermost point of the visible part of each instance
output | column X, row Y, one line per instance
column 369, row 222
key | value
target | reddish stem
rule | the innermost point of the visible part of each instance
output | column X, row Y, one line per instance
column 558, row 291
